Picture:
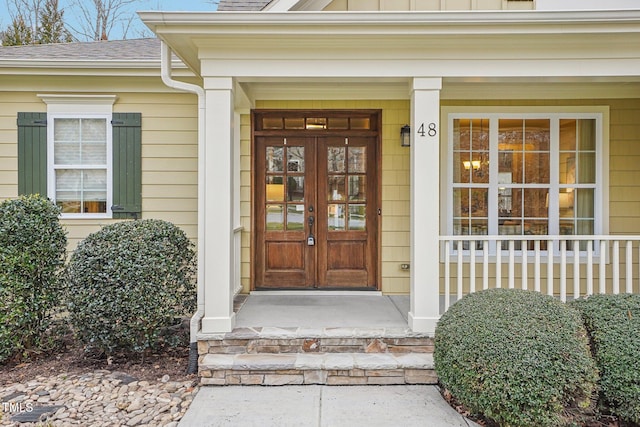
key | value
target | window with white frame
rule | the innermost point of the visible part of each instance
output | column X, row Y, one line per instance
column 79, row 167
column 79, row 154
column 525, row 174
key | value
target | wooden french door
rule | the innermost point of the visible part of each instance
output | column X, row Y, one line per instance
column 316, row 211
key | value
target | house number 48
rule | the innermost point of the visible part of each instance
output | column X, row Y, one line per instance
column 429, row 130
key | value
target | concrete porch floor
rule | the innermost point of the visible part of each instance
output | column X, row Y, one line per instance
column 322, row 311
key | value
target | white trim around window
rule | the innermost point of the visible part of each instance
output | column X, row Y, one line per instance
column 91, row 163
column 491, row 116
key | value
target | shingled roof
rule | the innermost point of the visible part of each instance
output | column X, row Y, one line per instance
column 122, row 50
column 242, row 5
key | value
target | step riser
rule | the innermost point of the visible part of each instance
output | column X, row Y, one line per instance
column 317, row 368
column 318, row 377
column 316, row 345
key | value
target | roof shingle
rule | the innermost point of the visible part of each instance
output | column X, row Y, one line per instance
column 132, row 49
column 242, row 5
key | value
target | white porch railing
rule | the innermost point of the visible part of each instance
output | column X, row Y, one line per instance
column 603, row 264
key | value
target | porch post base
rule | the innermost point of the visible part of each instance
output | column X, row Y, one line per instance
column 212, row 325
column 425, row 325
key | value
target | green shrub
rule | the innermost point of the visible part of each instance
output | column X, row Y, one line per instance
column 32, row 256
column 128, row 283
column 613, row 323
column 519, row 358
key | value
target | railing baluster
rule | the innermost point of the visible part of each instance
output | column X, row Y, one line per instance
column 536, row 273
column 603, row 269
column 524, row 273
column 459, row 270
column 563, row 270
column 472, row 267
column 590, row 267
column 576, row 269
column 447, row 273
column 485, row 264
column 629, row 264
column 498, row 263
column 616, row 266
column 512, row 256
column 550, row 254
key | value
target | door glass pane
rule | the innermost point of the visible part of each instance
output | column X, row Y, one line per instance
column 275, row 188
column 360, row 123
column 336, row 188
column 339, row 123
column 357, row 188
column 295, row 217
column 316, row 123
column 335, row 159
column 295, row 159
column 275, row 217
column 272, row 123
column 274, row 159
column 336, row 217
column 294, row 123
column 357, row 159
column 357, row 218
column 295, row 189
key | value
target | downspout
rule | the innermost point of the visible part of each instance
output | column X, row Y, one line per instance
column 165, row 70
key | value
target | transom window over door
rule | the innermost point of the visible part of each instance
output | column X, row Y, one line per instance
column 525, row 174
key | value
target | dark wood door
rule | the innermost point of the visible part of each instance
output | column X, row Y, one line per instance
column 316, row 212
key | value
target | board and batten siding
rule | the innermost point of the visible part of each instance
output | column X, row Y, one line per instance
column 169, row 151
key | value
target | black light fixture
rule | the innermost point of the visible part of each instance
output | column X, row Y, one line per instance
column 405, row 136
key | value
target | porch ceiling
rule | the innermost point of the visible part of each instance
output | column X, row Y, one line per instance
column 258, row 49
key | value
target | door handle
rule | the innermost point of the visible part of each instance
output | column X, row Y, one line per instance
column 311, row 241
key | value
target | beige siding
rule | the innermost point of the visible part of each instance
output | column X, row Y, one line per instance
column 169, row 144
column 428, row 5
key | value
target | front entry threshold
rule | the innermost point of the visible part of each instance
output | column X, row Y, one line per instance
column 320, row 293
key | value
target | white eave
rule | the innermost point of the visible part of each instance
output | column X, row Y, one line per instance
column 252, row 36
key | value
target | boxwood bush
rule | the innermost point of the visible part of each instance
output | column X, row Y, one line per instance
column 128, row 283
column 613, row 323
column 516, row 357
column 32, row 256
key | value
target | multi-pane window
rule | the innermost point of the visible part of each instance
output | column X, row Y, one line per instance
column 79, row 168
column 525, row 174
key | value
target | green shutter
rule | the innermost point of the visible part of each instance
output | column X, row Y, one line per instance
column 127, row 165
column 32, row 153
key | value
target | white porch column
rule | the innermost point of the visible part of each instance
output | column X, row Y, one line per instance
column 218, row 206
column 425, row 204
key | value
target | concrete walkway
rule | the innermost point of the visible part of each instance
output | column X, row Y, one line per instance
column 330, row 406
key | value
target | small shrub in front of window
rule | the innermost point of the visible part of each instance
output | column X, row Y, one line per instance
column 516, row 357
column 613, row 323
column 32, row 272
column 130, row 283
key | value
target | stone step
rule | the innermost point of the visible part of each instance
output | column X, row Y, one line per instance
column 317, row 368
column 304, row 340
